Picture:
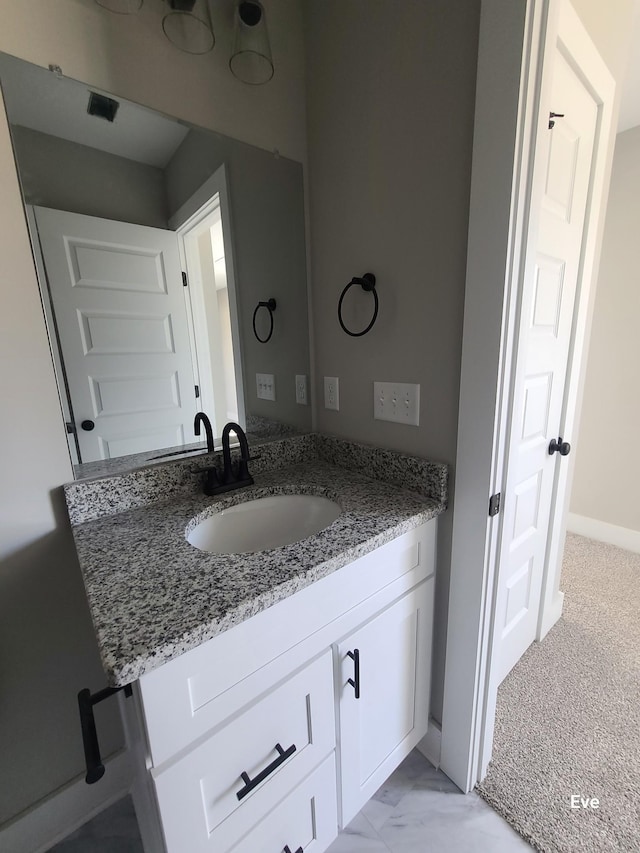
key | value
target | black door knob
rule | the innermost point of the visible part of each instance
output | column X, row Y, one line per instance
column 88, row 425
column 559, row 446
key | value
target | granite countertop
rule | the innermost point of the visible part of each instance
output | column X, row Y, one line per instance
column 153, row 596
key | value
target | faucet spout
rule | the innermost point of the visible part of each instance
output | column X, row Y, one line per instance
column 243, row 470
column 201, row 418
column 215, row 482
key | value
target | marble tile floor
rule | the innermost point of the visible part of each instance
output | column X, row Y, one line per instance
column 417, row 810
column 115, row 830
column 420, row 810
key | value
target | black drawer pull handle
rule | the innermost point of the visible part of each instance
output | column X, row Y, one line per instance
column 288, row 850
column 250, row 784
column 92, row 757
column 355, row 681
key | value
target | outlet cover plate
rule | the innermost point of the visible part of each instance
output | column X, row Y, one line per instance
column 301, row 390
column 398, row 402
column 332, row 393
column 266, row 386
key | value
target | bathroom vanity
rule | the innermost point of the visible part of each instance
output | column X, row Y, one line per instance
column 274, row 691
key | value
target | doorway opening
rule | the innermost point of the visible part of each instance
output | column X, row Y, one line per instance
column 208, row 304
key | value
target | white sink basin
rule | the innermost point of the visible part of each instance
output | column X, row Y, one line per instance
column 264, row 523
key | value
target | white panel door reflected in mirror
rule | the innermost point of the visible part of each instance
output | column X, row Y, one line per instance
column 120, row 314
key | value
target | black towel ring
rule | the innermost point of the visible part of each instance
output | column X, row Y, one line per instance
column 270, row 305
column 367, row 283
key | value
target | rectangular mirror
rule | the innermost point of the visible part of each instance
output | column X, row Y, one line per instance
column 172, row 269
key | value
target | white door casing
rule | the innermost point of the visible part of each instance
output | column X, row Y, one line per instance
column 210, row 198
column 117, row 295
column 508, row 168
column 546, row 320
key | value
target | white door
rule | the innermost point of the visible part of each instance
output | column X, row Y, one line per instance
column 546, row 321
column 119, row 307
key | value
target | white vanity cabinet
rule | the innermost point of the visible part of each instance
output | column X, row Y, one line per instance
column 256, row 741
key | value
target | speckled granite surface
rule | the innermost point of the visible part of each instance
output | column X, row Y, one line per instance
column 153, row 596
column 409, row 472
column 91, row 499
column 263, row 431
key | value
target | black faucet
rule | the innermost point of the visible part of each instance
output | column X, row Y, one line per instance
column 201, row 418
column 232, row 476
column 240, row 476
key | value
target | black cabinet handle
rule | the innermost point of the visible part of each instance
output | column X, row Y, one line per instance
column 86, row 701
column 250, row 784
column 355, row 681
column 288, row 850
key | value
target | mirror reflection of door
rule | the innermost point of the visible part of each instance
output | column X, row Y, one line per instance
column 122, row 321
column 205, row 245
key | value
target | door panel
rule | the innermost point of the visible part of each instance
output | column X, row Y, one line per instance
column 541, row 366
column 120, row 313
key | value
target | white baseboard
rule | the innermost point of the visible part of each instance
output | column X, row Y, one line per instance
column 430, row 744
column 622, row 537
column 53, row 818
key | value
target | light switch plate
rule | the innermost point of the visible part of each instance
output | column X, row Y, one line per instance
column 266, row 386
column 301, row 390
column 332, row 393
column 396, row 401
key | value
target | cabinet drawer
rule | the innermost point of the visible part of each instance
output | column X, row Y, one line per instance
column 307, row 818
column 187, row 697
column 199, row 791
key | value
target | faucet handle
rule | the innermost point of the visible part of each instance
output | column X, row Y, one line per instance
column 212, row 480
column 242, row 470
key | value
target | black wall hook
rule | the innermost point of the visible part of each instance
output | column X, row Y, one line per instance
column 270, row 305
column 368, row 284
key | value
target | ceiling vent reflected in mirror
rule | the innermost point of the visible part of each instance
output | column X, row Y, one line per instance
column 102, row 107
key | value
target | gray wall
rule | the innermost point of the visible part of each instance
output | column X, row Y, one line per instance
column 61, row 174
column 46, row 640
column 390, row 118
column 607, row 472
column 47, row 644
column 267, row 210
column 609, row 27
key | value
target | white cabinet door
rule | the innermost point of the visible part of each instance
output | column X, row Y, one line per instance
column 383, row 678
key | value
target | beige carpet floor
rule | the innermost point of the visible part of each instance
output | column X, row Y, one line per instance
column 568, row 717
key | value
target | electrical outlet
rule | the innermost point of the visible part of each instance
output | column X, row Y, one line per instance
column 301, row 390
column 396, row 401
column 266, row 386
column 332, row 392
